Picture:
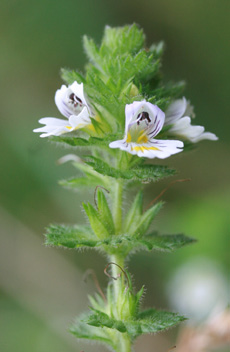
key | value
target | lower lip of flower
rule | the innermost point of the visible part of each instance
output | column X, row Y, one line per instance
column 142, row 148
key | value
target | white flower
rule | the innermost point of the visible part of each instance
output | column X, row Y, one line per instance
column 143, row 121
column 177, row 115
column 72, row 104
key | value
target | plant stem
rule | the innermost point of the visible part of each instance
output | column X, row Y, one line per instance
column 117, row 284
column 123, row 340
column 117, row 205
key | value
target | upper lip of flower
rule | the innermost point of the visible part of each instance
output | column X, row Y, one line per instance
column 143, row 122
column 71, row 100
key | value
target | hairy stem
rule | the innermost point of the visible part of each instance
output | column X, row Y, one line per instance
column 117, row 205
column 123, row 340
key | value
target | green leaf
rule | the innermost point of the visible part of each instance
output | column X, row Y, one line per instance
column 104, row 212
column 165, row 243
column 83, row 142
column 84, row 331
column 98, row 227
column 152, row 320
column 149, row 321
column 145, row 173
column 147, row 218
column 101, row 319
column 69, row 76
column 78, row 236
column 92, row 52
column 135, row 211
column 79, row 182
column 70, row 236
column 122, row 40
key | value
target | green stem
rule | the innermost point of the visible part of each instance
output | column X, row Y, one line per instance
column 117, row 205
column 123, row 339
column 117, row 284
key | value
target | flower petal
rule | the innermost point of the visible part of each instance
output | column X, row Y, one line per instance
column 175, row 111
column 80, row 120
column 53, row 127
column 143, row 118
column 194, row 134
column 60, row 98
column 155, row 149
column 71, row 100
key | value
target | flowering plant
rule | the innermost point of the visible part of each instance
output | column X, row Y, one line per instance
column 122, row 113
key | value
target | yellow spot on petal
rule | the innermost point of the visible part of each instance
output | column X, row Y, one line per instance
column 143, row 148
column 69, row 128
column 128, row 139
column 142, row 138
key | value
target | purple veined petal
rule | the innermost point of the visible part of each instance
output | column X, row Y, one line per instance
column 77, row 89
column 175, row 111
column 71, row 100
column 60, row 100
column 131, row 113
column 155, row 117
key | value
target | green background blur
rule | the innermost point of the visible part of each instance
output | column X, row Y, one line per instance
column 41, row 289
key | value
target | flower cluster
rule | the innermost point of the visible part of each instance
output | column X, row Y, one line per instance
column 143, row 123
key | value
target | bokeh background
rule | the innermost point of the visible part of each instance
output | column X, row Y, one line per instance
column 41, row 289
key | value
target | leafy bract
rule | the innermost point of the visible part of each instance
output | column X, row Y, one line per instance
column 149, row 321
column 70, row 236
column 82, row 236
column 82, row 330
column 145, row 173
column 83, row 142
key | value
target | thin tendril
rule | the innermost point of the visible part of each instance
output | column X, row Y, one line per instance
column 119, row 275
column 95, row 280
column 165, row 189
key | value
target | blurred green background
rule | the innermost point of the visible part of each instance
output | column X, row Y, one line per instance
column 41, row 289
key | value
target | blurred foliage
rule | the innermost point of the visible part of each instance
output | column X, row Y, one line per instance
column 37, row 39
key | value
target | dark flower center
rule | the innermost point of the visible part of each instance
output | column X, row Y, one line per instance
column 75, row 100
column 143, row 116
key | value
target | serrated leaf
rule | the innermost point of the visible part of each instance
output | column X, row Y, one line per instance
column 92, row 52
column 149, row 321
column 165, row 243
column 83, row 142
column 69, row 76
column 70, row 236
column 145, row 173
column 127, row 39
column 83, row 331
column 82, row 236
